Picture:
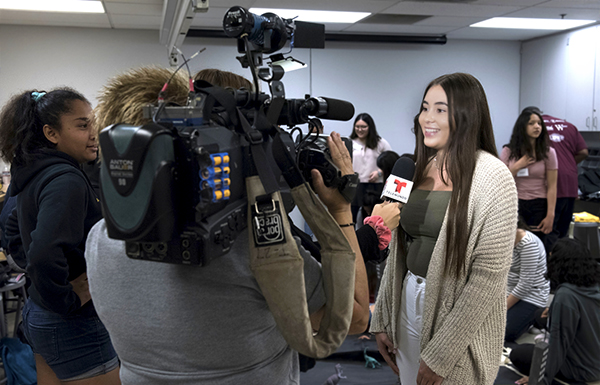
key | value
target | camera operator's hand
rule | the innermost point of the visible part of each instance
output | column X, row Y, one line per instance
column 330, row 196
column 339, row 208
column 339, row 153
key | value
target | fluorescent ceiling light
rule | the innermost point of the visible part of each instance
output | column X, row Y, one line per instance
column 314, row 16
column 71, row 6
column 526, row 23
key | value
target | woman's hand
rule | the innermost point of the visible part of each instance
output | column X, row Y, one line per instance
column 545, row 225
column 525, row 161
column 523, row 380
column 426, row 376
column 544, row 313
column 81, row 287
column 389, row 212
column 387, row 351
column 374, row 176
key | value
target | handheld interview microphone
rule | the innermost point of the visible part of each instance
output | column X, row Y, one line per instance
column 399, row 184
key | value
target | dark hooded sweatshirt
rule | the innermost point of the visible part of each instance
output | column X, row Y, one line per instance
column 56, row 208
column 574, row 334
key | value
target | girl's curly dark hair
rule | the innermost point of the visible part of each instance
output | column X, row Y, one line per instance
column 570, row 262
column 22, row 120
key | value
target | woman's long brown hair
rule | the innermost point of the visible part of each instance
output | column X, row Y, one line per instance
column 470, row 130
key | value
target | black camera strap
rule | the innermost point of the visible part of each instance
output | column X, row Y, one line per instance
column 219, row 95
column 259, row 157
column 252, row 135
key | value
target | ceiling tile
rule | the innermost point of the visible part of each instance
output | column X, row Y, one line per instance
column 495, row 34
column 518, row 3
column 388, row 18
column 54, row 18
column 335, row 5
column 397, row 29
column 55, row 23
column 134, row 9
column 134, row 21
column 448, row 16
column 449, row 21
column 146, row 2
column 572, row 3
column 555, row 13
column 230, row 3
column 211, row 19
column 449, row 9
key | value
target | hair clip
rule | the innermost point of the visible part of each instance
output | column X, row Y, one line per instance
column 37, row 95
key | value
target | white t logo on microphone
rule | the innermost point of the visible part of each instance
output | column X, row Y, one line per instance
column 397, row 189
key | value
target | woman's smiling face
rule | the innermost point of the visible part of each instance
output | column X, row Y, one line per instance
column 434, row 118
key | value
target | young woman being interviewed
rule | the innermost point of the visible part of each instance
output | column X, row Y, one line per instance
column 441, row 309
column 45, row 136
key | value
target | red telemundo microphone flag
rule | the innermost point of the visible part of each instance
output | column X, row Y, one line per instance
column 399, row 184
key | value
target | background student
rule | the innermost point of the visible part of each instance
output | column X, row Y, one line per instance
column 367, row 146
column 534, row 165
column 573, row 319
column 46, row 136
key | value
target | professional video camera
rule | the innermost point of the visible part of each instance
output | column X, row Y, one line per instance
column 174, row 189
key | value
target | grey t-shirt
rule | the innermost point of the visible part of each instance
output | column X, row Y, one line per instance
column 181, row 325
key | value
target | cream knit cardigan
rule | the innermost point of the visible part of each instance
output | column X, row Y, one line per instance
column 464, row 319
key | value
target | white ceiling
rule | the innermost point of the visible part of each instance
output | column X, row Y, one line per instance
column 438, row 17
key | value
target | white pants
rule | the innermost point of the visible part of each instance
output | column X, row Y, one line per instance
column 409, row 328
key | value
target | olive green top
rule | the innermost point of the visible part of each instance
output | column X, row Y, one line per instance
column 422, row 219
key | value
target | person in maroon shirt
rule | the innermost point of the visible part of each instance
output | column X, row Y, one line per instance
column 570, row 150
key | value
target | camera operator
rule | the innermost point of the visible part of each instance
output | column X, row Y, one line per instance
column 181, row 324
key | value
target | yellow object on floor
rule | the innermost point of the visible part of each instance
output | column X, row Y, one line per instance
column 585, row 217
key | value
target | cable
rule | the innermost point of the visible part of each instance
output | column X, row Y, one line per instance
column 300, row 136
column 161, row 98
column 185, row 62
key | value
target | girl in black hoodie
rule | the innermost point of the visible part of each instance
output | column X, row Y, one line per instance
column 45, row 136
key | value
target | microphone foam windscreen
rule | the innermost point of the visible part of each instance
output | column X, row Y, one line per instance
column 338, row 110
column 404, row 168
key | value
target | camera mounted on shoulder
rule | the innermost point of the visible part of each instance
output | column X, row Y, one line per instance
column 182, row 188
column 174, row 189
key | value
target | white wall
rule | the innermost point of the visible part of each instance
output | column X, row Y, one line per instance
column 385, row 80
column 543, row 74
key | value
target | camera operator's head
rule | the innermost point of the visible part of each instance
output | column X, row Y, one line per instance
column 122, row 99
column 223, row 79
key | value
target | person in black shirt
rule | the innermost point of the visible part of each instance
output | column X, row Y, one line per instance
column 45, row 137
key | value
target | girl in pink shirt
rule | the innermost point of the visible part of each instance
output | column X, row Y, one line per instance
column 534, row 166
